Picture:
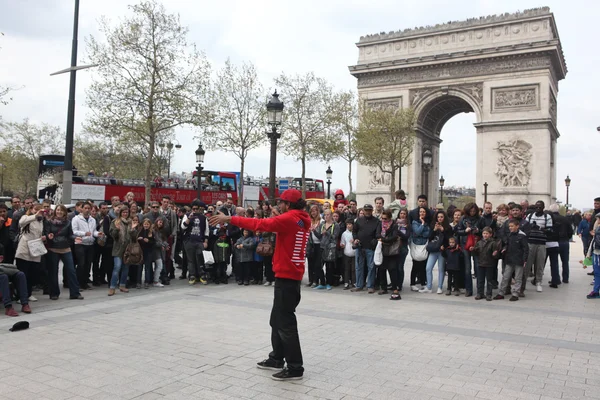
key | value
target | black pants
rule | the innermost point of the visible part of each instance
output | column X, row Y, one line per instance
column 454, row 279
column 417, row 273
column 314, row 265
column 97, row 273
column 390, row 265
column 487, row 274
column 28, row 268
column 382, row 271
column 84, row 256
column 349, row 270
column 284, row 327
column 108, row 263
column 269, row 274
column 244, row 271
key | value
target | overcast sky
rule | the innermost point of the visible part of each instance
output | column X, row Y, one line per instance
column 297, row 37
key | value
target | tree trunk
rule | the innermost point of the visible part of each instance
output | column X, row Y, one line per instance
column 393, row 185
column 241, row 182
column 350, row 175
column 148, row 169
column 303, row 175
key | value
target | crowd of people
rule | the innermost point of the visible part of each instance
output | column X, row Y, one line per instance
column 124, row 247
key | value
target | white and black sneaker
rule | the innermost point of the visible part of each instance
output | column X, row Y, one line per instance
column 287, row 375
column 270, row 364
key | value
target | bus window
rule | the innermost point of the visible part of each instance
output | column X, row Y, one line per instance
column 228, row 184
column 319, row 186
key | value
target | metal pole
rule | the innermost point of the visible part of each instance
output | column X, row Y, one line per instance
column 169, row 164
column 273, row 135
column 442, row 194
column 485, row 185
column 566, row 205
column 68, row 168
column 328, row 189
column 199, row 182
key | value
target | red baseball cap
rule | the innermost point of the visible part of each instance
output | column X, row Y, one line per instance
column 291, row 196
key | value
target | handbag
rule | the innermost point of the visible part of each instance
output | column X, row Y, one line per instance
column 133, row 254
column 471, row 241
column 329, row 246
column 418, row 252
column 391, row 249
column 36, row 247
column 378, row 255
column 208, row 257
column 434, row 245
column 101, row 240
column 265, row 249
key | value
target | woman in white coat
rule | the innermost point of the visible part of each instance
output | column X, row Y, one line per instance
column 31, row 227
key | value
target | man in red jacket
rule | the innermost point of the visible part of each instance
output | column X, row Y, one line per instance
column 292, row 227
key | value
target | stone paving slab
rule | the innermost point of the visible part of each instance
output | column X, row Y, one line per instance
column 202, row 342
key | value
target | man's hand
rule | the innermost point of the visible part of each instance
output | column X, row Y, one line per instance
column 88, row 234
column 51, row 236
column 78, row 240
column 495, row 253
column 219, row 219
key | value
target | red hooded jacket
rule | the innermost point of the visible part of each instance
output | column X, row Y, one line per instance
column 337, row 201
column 293, row 230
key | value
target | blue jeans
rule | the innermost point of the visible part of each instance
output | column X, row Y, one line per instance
column 20, row 282
column 468, row 275
column 119, row 269
column 362, row 256
column 69, row 269
column 401, row 261
column 431, row 260
column 565, row 249
column 596, row 260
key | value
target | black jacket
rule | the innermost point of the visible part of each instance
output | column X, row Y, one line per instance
column 515, row 248
column 391, row 235
column 524, row 226
column 562, row 226
column 62, row 231
column 485, row 250
column 365, row 231
column 455, row 259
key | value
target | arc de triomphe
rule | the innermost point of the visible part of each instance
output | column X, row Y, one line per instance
column 504, row 68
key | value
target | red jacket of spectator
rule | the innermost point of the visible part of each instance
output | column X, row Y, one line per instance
column 340, row 198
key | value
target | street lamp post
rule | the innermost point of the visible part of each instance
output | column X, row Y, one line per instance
column 567, row 184
column 427, row 162
column 274, row 119
column 169, row 147
column 485, row 185
column 329, row 174
column 442, row 181
column 200, row 159
column 68, row 165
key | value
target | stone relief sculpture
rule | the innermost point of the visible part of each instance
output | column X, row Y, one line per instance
column 378, row 179
column 515, row 98
column 513, row 163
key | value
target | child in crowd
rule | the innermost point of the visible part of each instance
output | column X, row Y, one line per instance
column 257, row 267
column 245, row 246
column 488, row 251
column 515, row 253
column 221, row 254
column 160, row 249
column 346, row 244
column 455, row 261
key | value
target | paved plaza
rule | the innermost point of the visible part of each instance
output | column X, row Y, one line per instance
column 202, row 342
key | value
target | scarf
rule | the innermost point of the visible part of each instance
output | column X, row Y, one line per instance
column 384, row 226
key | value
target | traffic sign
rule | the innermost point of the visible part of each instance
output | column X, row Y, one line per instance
column 283, row 185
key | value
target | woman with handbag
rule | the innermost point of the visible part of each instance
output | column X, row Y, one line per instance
column 329, row 234
column 418, row 249
column 313, row 250
column 123, row 232
column 387, row 234
column 59, row 233
column 28, row 257
column 438, row 241
column 404, row 235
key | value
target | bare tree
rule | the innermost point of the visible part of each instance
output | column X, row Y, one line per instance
column 149, row 80
column 347, row 123
column 309, row 120
column 23, row 144
column 241, row 109
column 385, row 139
